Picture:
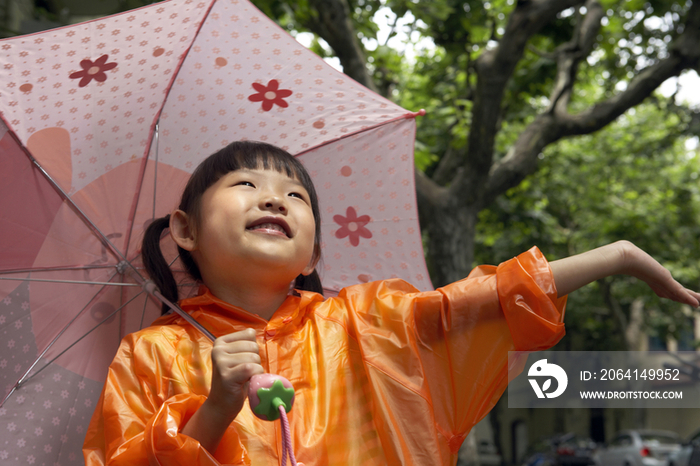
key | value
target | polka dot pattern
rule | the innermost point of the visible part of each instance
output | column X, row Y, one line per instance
column 366, row 191
column 245, row 78
column 44, row 422
column 121, row 68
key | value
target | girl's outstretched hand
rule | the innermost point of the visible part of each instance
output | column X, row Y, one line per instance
column 641, row 265
column 235, row 359
column 622, row 257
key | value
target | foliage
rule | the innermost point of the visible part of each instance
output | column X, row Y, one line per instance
column 633, row 180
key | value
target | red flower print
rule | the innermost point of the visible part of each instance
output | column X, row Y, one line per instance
column 270, row 95
column 93, row 70
column 353, row 226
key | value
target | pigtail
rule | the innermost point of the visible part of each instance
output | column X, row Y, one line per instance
column 156, row 265
column 311, row 282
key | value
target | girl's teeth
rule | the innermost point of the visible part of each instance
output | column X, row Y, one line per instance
column 269, row 226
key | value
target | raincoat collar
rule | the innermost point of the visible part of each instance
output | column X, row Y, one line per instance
column 221, row 318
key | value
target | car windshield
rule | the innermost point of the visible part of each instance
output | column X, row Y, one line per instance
column 659, row 439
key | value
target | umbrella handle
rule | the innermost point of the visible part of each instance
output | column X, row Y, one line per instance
column 271, row 397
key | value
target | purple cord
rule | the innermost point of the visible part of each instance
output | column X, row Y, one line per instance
column 286, row 439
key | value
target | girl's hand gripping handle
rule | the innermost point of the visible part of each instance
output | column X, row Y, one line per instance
column 235, row 359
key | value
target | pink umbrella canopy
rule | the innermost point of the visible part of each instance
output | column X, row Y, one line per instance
column 102, row 124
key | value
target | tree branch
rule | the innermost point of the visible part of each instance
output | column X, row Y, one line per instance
column 521, row 160
column 334, row 25
column 683, row 53
column 448, row 165
column 570, row 54
column 429, row 195
column 494, row 68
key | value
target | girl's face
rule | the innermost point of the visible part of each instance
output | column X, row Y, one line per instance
column 252, row 219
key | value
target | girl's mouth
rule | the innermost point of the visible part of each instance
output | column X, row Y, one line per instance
column 271, row 225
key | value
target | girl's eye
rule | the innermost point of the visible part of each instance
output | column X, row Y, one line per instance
column 245, row 183
column 297, row 195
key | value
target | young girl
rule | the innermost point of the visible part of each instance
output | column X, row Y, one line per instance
column 383, row 374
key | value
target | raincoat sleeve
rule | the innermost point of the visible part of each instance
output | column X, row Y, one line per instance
column 145, row 403
column 443, row 354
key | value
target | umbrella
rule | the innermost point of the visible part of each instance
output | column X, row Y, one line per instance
column 102, row 123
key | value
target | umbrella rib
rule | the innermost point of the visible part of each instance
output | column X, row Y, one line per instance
column 405, row 116
column 22, row 382
column 153, row 290
column 101, row 236
column 142, row 174
column 143, row 313
column 78, row 282
column 21, row 379
column 182, row 314
column 55, row 269
column 155, row 169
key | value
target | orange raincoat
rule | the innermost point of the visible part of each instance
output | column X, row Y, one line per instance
column 383, row 374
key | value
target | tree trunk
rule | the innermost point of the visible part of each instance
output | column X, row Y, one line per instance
column 451, row 229
column 634, row 333
column 616, row 312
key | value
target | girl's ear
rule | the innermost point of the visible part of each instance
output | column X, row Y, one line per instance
column 182, row 231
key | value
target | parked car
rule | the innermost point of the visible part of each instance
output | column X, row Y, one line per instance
column 562, row 450
column 575, row 451
column 689, row 453
column 640, row 448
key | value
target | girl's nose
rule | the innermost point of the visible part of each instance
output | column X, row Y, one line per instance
column 275, row 203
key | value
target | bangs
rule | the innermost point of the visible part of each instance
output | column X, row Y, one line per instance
column 254, row 156
column 248, row 155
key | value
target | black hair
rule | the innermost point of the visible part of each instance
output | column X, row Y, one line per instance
column 237, row 155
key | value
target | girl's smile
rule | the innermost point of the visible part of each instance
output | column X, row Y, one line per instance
column 270, row 225
column 254, row 224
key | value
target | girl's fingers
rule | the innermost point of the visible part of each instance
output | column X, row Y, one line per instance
column 242, row 346
column 242, row 373
column 692, row 298
column 232, row 360
column 247, row 334
column 234, row 381
column 676, row 292
column 679, row 293
column 235, row 359
column 229, row 388
column 646, row 268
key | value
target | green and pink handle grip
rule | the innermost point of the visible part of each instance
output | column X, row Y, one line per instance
column 271, row 397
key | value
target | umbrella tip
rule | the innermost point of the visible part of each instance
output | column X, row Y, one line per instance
column 420, row 112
